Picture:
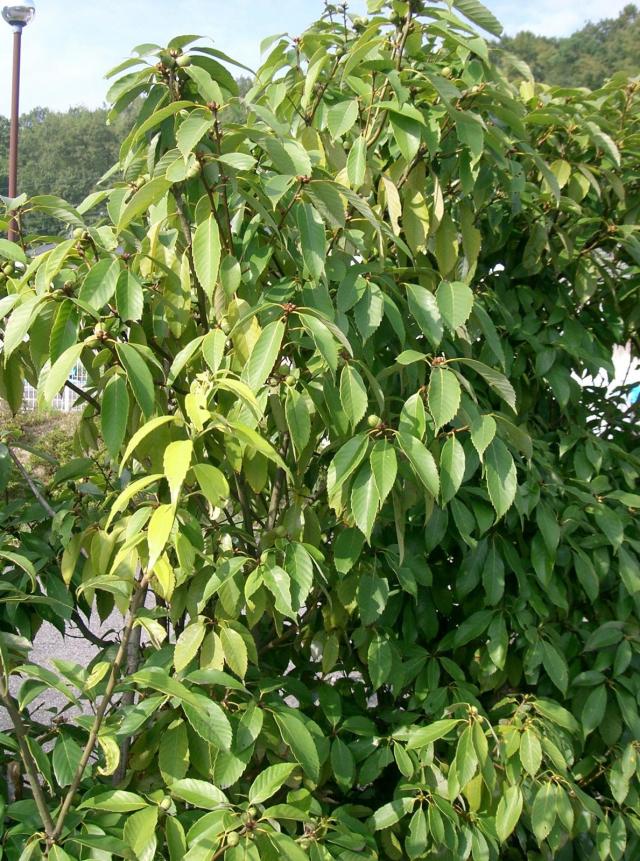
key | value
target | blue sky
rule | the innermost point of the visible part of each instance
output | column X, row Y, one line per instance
column 71, row 43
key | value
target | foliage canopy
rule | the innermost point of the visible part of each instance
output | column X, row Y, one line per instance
column 335, row 463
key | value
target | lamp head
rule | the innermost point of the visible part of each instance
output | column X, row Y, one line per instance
column 18, row 15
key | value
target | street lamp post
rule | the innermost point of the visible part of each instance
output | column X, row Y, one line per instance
column 17, row 15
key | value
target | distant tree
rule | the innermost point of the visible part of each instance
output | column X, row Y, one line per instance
column 586, row 58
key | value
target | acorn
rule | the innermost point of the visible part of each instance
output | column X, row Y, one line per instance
column 373, row 420
column 166, row 802
column 7, row 269
column 290, row 380
column 446, row 72
column 233, row 839
column 194, row 171
column 100, row 332
column 183, row 61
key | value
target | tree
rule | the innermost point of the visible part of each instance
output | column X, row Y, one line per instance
column 586, row 58
column 337, row 464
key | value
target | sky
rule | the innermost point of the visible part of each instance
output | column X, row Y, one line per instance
column 72, row 43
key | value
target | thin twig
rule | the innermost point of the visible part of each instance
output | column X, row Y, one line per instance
column 89, row 747
column 27, row 758
column 32, row 485
column 84, row 395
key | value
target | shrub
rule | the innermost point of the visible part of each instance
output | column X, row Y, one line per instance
column 375, row 543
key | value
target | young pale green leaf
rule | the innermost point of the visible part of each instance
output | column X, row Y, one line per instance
column 353, row 394
column 443, row 396
column 422, row 462
column 176, row 462
column 264, row 355
column 193, row 129
column 188, row 644
column 455, row 301
column 269, row 781
column 158, row 531
column 235, row 651
column 151, row 193
column 199, row 793
column 543, row 813
column 357, row 162
column 508, row 812
column 365, row 500
column 312, row 239
column 139, row 377
column 347, row 459
column 452, row 466
column 114, row 414
column 206, row 254
column 212, row 482
column 424, row 308
column 391, row 813
column 341, row 117
column 501, row 477
column 59, row 372
column 142, row 432
column 530, row 752
column 278, row 583
column 139, row 832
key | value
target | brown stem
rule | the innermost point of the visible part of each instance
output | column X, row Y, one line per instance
column 245, row 507
column 128, row 698
column 84, row 395
column 89, row 747
column 27, row 758
column 276, row 493
column 32, row 485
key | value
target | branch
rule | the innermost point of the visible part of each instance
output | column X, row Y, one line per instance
column 84, row 395
column 27, row 758
column 32, row 485
column 136, row 603
column 87, row 633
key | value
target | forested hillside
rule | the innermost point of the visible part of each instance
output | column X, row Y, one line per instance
column 66, row 153
column 588, row 57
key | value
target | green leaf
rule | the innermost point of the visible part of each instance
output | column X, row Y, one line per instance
column 199, row 793
column 543, row 813
column 300, row 741
column 483, row 430
column 530, row 752
column 379, row 660
column 235, row 651
column 384, row 466
column 353, row 394
column 455, row 302
column 365, row 500
column 151, row 193
column 422, row 462
column 139, row 377
column 497, row 381
column 278, row 583
column 373, row 594
column 298, row 419
column 508, row 812
column 143, row 432
column 193, row 129
column 66, row 758
column 188, row 644
column 114, row 801
column 269, row 781
column 312, row 239
column 452, row 466
column 594, row 709
column 346, row 549
column 344, row 464
column 158, row 531
column 480, row 15
column 555, row 664
column 264, row 355
column 343, row 764
column 212, row 482
column 100, row 283
column 501, row 477
column 237, row 160
column 114, row 414
column 176, row 461
column 357, row 162
column 288, row 157
column 424, row 307
column 393, row 812
column 59, row 372
column 341, row 117
column 173, row 756
column 129, row 296
column 206, row 254
column 443, row 396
